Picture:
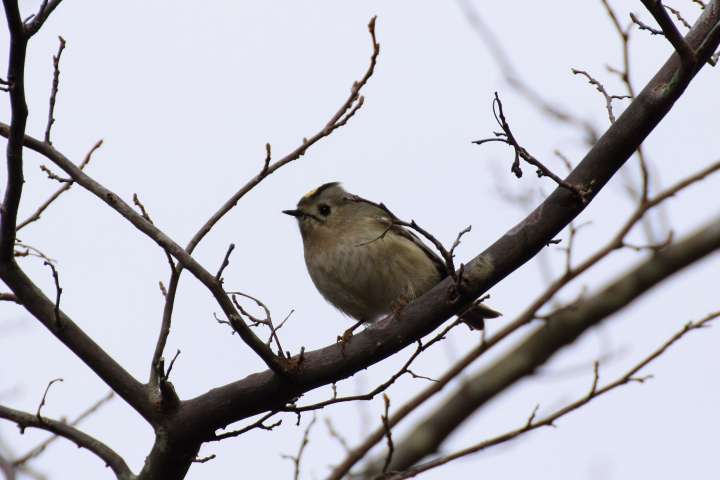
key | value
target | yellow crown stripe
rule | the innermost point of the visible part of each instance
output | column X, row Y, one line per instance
column 309, row 194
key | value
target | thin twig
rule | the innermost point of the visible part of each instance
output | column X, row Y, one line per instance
column 44, row 397
column 34, row 452
column 405, row 369
column 53, row 176
column 225, row 262
column 143, row 211
column 507, row 137
column 204, row 459
column 339, row 119
column 79, row 438
column 8, row 297
column 687, row 55
column 525, row 317
column 297, row 458
column 332, row 431
column 33, row 24
column 259, row 424
column 643, row 26
column 517, row 80
column 679, row 16
column 166, row 376
column 36, row 215
column 600, row 88
column 549, row 420
column 267, row 321
column 54, row 89
column 388, row 434
column 58, row 291
column 394, row 221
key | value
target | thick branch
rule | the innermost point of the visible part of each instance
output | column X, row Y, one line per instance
column 349, row 107
column 15, row 131
column 37, row 21
column 157, row 235
column 265, row 391
column 549, row 420
column 658, row 11
column 528, row 314
column 83, row 440
column 561, row 330
column 73, row 337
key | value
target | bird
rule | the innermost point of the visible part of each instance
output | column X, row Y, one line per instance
column 364, row 263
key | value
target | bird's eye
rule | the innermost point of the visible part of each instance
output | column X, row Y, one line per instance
column 324, row 210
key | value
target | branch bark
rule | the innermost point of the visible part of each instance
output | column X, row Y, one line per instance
column 83, row 440
column 560, row 330
column 262, row 391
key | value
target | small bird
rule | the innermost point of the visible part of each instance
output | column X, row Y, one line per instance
column 362, row 262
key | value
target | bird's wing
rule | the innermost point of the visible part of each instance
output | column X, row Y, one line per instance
column 409, row 235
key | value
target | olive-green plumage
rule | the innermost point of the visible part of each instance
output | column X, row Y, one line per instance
column 360, row 261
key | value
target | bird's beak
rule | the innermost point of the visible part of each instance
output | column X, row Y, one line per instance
column 293, row 213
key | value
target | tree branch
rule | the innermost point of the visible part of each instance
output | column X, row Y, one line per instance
column 65, row 187
column 658, row 11
column 549, row 420
column 41, row 447
column 560, row 330
column 54, row 89
column 528, row 314
column 36, row 22
column 340, row 118
column 265, row 391
column 82, row 440
column 15, row 131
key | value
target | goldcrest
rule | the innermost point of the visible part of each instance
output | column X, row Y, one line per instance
column 363, row 263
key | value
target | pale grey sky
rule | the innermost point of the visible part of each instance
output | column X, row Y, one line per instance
column 186, row 95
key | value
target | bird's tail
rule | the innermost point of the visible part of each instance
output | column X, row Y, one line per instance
column 476, row 314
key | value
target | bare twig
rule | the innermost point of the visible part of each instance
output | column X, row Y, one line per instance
column 687, row 55
column 405, row 369
column 8, row 297
column 643, row 26
column 21, row 460
column 54, row 90
column 225, row 262
column 600, row 88
column 79, row 438
column 33, row 24
column 507, row 137
column 259, row 424
column 549, row 420
column 388, row 434
column 267, row 321
column 625, row 76
column 143, row 211
column 297, row 458
column 335, row 434
column 517, row 80
column 393, row 221
column 525, row 317
column 679, row 16
column 58, row 290
column 170, row 367
column 36, row 215
column 204, row 459
column 53, row 176
column 340, row 118
column 44, row 397
column 456, row 243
